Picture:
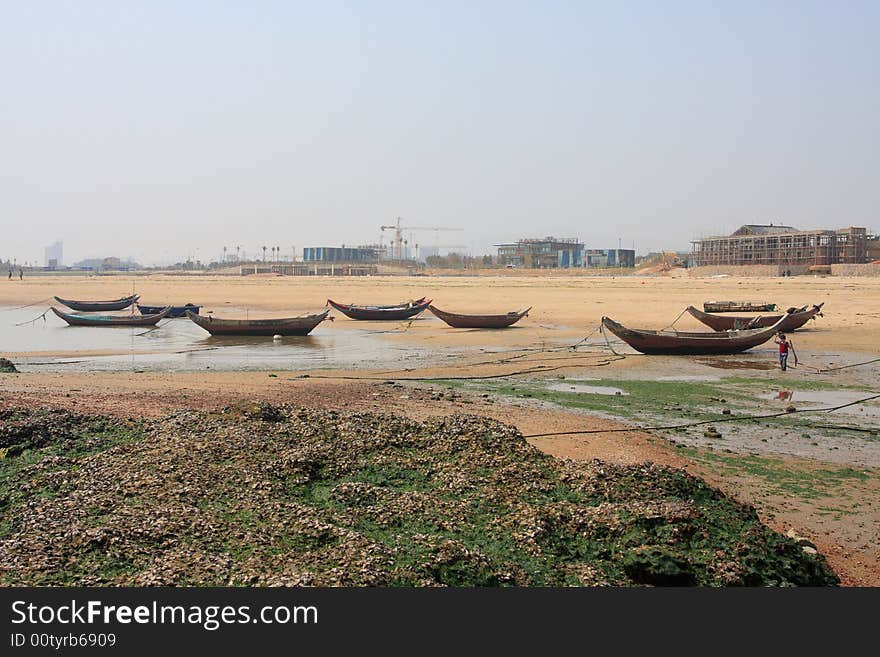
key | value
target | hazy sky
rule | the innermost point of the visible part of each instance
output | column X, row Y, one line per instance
column 158, row 130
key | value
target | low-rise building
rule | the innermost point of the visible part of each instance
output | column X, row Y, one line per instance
column 759, row 244
column 609, row 258
column 340, row 254
column 543, row 253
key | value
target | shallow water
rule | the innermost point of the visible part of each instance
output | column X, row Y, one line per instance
column 180, row 345
column 707, row 378
column 827, row 399
column 586, row 389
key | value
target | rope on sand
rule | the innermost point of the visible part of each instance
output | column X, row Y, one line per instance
column 608, row 342
column 729, row 418
column 825, row 370
column 35, row 303
column 534, row 370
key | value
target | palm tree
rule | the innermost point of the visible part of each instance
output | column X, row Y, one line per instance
column 264, row 254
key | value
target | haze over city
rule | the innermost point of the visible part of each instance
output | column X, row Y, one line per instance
column 165, row 131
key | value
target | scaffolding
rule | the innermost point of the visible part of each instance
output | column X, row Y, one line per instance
column 768, row 245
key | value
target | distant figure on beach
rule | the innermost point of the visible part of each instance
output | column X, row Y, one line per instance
column 784, row 345
column 10, row 274
column 20, row 274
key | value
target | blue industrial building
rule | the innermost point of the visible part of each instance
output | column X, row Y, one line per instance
column 340, row 254
column 609, row 258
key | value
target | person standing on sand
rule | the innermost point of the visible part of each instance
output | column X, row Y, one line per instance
column 784, row 346
column 20, row 274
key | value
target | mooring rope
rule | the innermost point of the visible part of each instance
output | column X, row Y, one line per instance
column 158, row 326
column 729, row 418
column 31, row 321
column 825, row 370
column 534, row 370
column 577, row 344
column 674, row 321
column 608, row 343
column 35, row 303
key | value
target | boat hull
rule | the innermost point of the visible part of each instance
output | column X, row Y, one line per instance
column 456, row 320
column 111, row 320
column 381, row 313
column 793, row 322
column 694, row 344
column 259, row 327
column 176, row 311
column 98, row 306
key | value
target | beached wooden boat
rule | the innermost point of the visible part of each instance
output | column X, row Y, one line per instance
column 98, row 306
column 112, row 320
column 479, row 321
column 738, row 307
column 398, row 311
column 679, row 342
column 176, row 311
column 796, row 319
column 286, row 326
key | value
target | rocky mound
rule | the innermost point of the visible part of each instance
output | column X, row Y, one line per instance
column 264, row 495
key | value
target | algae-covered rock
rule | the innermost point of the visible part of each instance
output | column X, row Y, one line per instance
column 659, row 567
column 281, row 495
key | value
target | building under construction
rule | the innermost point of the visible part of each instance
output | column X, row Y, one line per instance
column 544, row 253
column 369, row 253
column 783, row 246
column 314, row 268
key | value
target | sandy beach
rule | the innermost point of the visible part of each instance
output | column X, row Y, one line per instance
column 564, row 310
column 562, row 306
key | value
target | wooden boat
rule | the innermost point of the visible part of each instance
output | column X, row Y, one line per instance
column 99, row 306
column 797, row 317
column 176, row 311
column 678, row 342
column 479, row 321
column 398, row 311
column 738, row 307
column 112, row 320
column 287, row 326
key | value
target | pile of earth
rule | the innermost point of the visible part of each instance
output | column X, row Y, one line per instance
column 265, row 495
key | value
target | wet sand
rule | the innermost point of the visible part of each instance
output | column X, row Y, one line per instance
column 849, row 539
column 563, row 307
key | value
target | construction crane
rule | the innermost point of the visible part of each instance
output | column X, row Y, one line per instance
column 401, row 243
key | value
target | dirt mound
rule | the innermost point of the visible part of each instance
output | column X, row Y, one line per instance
column 653, row 269
column 260, row 495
